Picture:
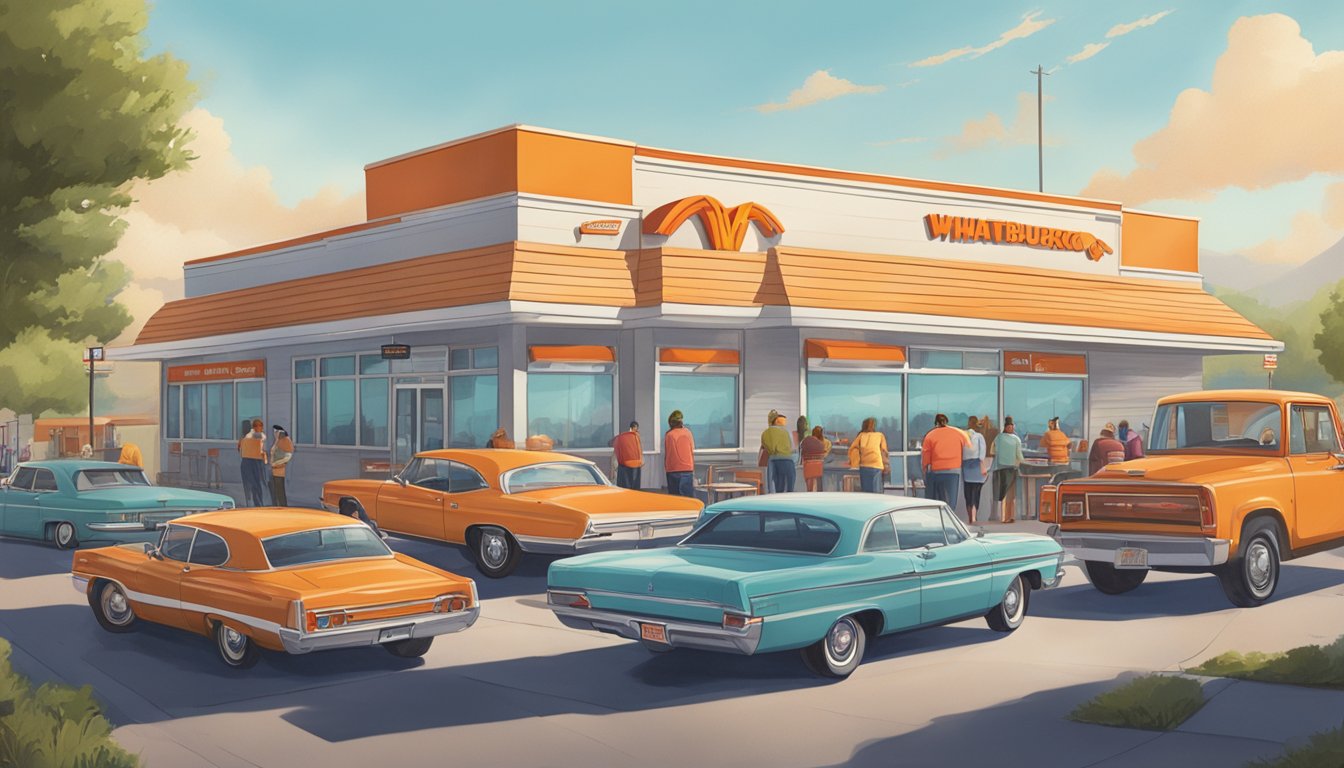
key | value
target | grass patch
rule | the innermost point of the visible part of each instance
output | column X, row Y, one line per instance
column 1152, row 702
column 1320, row 666
column 55, row 726
column 1325, row 750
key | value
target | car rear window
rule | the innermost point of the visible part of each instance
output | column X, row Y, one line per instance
column 780, row 531
column 323, row 545
column 90, row 479
column 553, row 475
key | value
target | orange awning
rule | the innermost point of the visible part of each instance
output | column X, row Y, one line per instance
column 572, row 354
column 835, row 349
column 699, row 356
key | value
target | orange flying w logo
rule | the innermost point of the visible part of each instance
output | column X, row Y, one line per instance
column 725, row 228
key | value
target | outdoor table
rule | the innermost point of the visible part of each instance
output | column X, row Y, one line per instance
column 1034, row 474
column 716, row 491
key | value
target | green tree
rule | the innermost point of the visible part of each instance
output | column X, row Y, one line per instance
column 83, row 113
column 1330, row 341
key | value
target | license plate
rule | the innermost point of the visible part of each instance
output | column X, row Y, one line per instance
column 1131, row 557
column 645, row 531
column 654, row 633
column 392, row 634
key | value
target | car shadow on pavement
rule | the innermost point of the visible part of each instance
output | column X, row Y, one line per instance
column 1190, row 596
column 20, row 558
column 528, row 579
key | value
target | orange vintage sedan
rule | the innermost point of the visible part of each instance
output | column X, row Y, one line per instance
column 500, row 503
column 282, row 579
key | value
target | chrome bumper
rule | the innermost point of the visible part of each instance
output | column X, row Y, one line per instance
column 80, row 583
column 644, row 535
column 367, row 634
column 1162, row 550
column 680, row 634
column 125, row 527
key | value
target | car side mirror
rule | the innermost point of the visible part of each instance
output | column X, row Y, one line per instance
column 399, row 480
column 979, row 533
column 152, row 551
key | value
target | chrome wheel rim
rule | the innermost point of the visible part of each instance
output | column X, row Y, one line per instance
column 1012, row 601
column 1259, row 566
column 842, row 642
column 494, row 549
column 233, row 643
column 116, row 607
column 65, row 533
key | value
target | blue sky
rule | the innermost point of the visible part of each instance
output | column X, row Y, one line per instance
column 314, row 90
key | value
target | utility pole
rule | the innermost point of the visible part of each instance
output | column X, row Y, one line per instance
column 1040, row 131
column 95, row 355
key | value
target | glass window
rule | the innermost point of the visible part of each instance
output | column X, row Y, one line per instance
column 250, row 401
column 1214, row 425
column 338, row 366
column 459, row 359
column 193, row 411
column 952, row 528
column 573, row 409
column 768, row 530
column 303, row 413
column 336, row 417
column 219, row 411
column 475, row 410
column 44, row 480
column 422, row 361
column 172, row 415
column 709, row 402
column 372, row 365
column 959, row 397
column 208, row 549
column 553, row 475
column 23, row 479
column 373, row 411
column 485, row 357
column 919, row 527
column 175, row 544
column 428, row 473
column 1313, row 430
column 323, row 545
column 89, row 479
column 954, row 360
column 462, row 478
column 839, row 402
column 1033, row 402
column 881, row 535
column 305, row 369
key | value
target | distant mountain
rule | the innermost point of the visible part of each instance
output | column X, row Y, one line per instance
column 1238, row 273
column 1303, row 282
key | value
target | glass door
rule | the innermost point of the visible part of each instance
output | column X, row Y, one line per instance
column 418, row 420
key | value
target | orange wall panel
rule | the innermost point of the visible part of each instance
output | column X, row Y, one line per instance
column 466, row 171
column 565, row 166
column 1158, row 242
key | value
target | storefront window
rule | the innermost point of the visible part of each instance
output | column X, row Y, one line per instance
column 954, row 359
column 338, row 366
column 475, row 410
column 250, row 401
column 959, row 397
column 574, row 409
column 839, row 402
column 219, row 411
column 172, row 417
column 708, row 402
column 373, row 411
column 305, row 369
column 336, row 412
column 1033, row 402
column 193, row 411
column 303, row 412
column 485, row 357
column 372, row 365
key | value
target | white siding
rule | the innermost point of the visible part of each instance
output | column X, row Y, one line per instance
column 1127, row 385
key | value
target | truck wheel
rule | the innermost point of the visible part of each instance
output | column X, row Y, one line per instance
column 1250, row 579
column 1110, row 580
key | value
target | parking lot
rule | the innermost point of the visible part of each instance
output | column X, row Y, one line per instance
column 519, row 689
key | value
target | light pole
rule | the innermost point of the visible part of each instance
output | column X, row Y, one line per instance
column 1040, row 131
column 95, row 355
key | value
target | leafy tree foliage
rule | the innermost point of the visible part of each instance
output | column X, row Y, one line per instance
column 1330, row 341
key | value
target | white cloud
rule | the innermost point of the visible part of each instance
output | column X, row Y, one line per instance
column 1089, row 50
column 1031, row 24
column 819, row 86
column 991, row 130
column 1146, row 21
column 1310, row 232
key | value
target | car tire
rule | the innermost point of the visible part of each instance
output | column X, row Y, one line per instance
column 496, row 552
column 412, row 648
column 839, row 652
column 111, row 607
column 1009, row 614
column 63, row 534
column 1250, row 578
column 1110, row 580
column 235, row 648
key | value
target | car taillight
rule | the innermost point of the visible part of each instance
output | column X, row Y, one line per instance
column 451, row 604
column 733, row 620
column 315, row 621
column 1206, row 517
column 1046, row 508
column 568, row 599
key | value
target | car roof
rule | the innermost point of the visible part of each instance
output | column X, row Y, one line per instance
column 495, row 461
column 1253, row 395
column 75, row 465
column 265, row 522
column 837, row 506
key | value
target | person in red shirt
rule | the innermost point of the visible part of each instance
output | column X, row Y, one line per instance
column 679, row 457
column 629, row 452
column 1105, row 450
column 940, row 455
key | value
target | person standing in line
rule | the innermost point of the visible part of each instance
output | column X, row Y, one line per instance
column 130, row 454
column 1133, row 441
column 1008, row 459
column 282, row 452
column 1056, row 445
column 973, row 467
column 629, row 452
column 86, row 452
column 868, row 453
column 252, row 450
column 679, row 457
column 814, row 449
column 940, row 456
column 1105, row 450
column 26, row 452
column 778, row 446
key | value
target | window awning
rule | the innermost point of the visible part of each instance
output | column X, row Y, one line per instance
column 699, row 356
column 571, row 354
column 853, row 351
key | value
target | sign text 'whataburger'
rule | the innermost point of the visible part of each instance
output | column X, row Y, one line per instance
column 970, row 230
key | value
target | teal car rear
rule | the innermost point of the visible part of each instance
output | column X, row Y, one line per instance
column 69, row 502
column 824, row 573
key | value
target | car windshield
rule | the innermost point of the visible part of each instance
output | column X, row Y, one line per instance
column 554, row 475
column 778, row 531
column 323, row 545
column 1234, row 426
column 89, row 479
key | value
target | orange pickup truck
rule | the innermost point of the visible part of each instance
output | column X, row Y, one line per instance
column 1234, row 483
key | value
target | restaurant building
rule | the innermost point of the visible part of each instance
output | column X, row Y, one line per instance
column 563, row 285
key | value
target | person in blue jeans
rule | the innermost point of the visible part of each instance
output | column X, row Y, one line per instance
column 778, row 445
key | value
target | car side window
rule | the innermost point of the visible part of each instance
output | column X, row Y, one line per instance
column 44, row 480
column 176, row 542
column 208, row 549
column 1312, row 430
column 950, row 527
column 881, row 535
column 431, row 474
column 920, row 527
column 462, row 478
column 23, row 479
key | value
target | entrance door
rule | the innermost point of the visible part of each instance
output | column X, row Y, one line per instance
column 419, row 423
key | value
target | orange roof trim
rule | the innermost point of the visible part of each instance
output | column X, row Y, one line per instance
column 572, row 354
column 836, row 349
column 699, row 356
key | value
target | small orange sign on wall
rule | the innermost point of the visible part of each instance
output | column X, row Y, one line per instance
column 601, row 227
column 241, row 369
column 1044, row 362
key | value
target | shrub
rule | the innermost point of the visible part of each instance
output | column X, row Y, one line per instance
column 1313, row 665
column 55, row 726
column 1325, row 750
column 1153, row 703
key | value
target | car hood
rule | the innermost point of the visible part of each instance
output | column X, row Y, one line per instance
column 1191, row 468
column 607, row 500
column 156, row 497
column 352, row 583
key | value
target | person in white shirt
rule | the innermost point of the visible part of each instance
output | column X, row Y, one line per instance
column 973, row 467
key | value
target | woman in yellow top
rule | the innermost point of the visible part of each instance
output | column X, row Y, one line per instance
column 869, row 454
column 1056, row 444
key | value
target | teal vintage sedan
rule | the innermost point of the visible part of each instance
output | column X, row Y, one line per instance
column 821, row 572
column 69, row 501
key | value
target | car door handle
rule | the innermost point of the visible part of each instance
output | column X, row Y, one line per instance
column 186, row 569
column 437, row 499
column 452, row 505
column 927, row 555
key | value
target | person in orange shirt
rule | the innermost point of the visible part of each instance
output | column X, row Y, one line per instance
column 130, row 454
column 1056, row 445
column 940, row 455
column 252, row 449
column 629, row 457
column 679, row 457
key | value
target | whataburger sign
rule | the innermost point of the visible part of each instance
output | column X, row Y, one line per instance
column 969, row 230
